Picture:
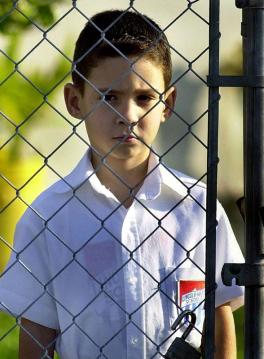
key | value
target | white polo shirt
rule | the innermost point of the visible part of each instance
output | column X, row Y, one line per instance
column 112, row 280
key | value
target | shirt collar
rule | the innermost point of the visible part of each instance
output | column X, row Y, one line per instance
column 158, row 174
column 81, row 174
column 165, row 175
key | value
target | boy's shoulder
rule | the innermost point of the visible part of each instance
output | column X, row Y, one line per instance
column 59, row 193
column 45, row 204
column 187, row 179
column 193, row 188
column 182, row 182
column 67, row 185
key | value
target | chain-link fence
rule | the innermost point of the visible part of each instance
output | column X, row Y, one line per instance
column 110, row 256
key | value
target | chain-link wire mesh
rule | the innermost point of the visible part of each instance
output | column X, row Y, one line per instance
column 128, row 289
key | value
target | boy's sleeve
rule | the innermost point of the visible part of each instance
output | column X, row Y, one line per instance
column 227, row 251
column 26, row 285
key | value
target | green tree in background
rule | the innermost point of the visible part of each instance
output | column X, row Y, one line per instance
column 19, row 96
column 40, row 12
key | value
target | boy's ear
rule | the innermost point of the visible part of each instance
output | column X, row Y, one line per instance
column 169, row 102
column 72, row 96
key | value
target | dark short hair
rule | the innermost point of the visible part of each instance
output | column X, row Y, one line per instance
column 130, row 33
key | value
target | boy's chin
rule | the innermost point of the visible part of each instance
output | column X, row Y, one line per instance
column 123, row 152
column 129, row 154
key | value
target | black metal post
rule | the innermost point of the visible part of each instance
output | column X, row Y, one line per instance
column 212, row 161
column 253, row 54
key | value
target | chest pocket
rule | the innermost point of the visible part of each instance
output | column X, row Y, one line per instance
column 184, row 288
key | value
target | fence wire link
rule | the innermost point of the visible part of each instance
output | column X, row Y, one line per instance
column 17, row 132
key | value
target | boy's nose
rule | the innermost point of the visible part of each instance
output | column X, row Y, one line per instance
column 129, row 114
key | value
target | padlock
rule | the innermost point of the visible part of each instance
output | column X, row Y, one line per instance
column 180, row 349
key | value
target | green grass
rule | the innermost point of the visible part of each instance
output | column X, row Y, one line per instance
column 9, row 332
column 239, row 321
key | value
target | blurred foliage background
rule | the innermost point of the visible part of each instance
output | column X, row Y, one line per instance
column 33, row 121
column 20, row 99
column 24, row 103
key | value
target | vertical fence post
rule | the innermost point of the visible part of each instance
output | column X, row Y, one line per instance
column 212, row 161
column 253, row 54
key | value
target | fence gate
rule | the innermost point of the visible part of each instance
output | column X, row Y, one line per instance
column 250, row 274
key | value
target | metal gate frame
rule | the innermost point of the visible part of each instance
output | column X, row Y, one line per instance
column 250, row 274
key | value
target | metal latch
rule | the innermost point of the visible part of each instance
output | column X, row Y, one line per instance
column 245, row 274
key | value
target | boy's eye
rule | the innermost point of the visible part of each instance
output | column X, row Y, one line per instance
column 144, row 98
column 109, row 97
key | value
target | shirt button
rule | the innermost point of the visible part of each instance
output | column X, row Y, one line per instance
column 132, row 280
column 134, row 340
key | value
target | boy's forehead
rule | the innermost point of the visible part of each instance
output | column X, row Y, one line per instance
column 116, row 71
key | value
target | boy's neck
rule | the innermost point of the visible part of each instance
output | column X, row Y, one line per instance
column 128, row 176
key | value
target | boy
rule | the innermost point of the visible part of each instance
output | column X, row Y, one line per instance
column 106, row 259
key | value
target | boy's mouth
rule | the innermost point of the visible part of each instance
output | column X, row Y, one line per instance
column 125, row 138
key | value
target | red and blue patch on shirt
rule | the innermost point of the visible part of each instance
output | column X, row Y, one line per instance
column 191, row 294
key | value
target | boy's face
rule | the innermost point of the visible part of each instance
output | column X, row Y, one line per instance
column 136, row 111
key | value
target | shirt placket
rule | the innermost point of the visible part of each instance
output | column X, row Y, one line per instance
column 133, row 289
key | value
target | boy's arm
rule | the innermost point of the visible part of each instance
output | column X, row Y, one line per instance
column 28, row 347
column 225, row 335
